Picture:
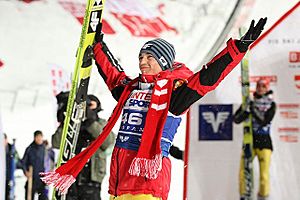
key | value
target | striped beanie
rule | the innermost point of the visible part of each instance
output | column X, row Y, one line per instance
column 162, row 51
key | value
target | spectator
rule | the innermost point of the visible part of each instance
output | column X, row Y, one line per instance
column 35, row 156
column 48, row 161
column 88, row 184
column 12, row 162
column 262, row 109
column 49, row 157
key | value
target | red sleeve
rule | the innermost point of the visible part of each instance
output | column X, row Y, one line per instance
column 108, row 67
column 209, row 77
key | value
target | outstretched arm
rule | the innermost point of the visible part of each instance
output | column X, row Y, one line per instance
column 210, row 76
column 207, row 79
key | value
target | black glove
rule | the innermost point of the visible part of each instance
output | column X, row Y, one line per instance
column 87, row 57
column 252, row 34
column 99, row 34
column 176, row 152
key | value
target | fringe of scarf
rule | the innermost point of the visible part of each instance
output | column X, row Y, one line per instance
column 148, row 168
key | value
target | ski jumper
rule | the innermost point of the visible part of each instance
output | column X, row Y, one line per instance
column 185, row 91
column 262, row 110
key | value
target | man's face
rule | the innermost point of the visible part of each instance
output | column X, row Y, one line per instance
column 93, row 105
column 38, row 139
column 261, row 88
column 148, row 65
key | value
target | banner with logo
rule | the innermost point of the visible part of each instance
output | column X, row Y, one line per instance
column 214, row 143
column 215, row 122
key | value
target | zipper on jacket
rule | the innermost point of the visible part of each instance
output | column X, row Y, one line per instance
column 117, row 177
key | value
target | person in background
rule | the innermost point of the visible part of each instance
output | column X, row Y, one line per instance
column 11, row 156
column 35, row 156
column 262, row 109
column 49, row 156
column 88, row 184
column 49, row 161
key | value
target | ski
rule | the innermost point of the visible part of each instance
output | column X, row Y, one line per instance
column 76, row 105
column 247, row 129
column 12, row 164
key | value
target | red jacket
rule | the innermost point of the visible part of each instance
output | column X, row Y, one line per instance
column 185, row 93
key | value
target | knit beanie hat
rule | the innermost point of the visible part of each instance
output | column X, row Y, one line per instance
column 161, row 50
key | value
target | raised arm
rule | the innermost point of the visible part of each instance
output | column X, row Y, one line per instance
column 108, row 67
column 211, row 74
column 110, row 70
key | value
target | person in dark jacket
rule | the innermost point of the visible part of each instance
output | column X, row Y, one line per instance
column 88, row 184
column 262, row 109
column 34, row 156
column 48, row 161
column 12, row 158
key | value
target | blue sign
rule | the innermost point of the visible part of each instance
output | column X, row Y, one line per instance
column 215, row 122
